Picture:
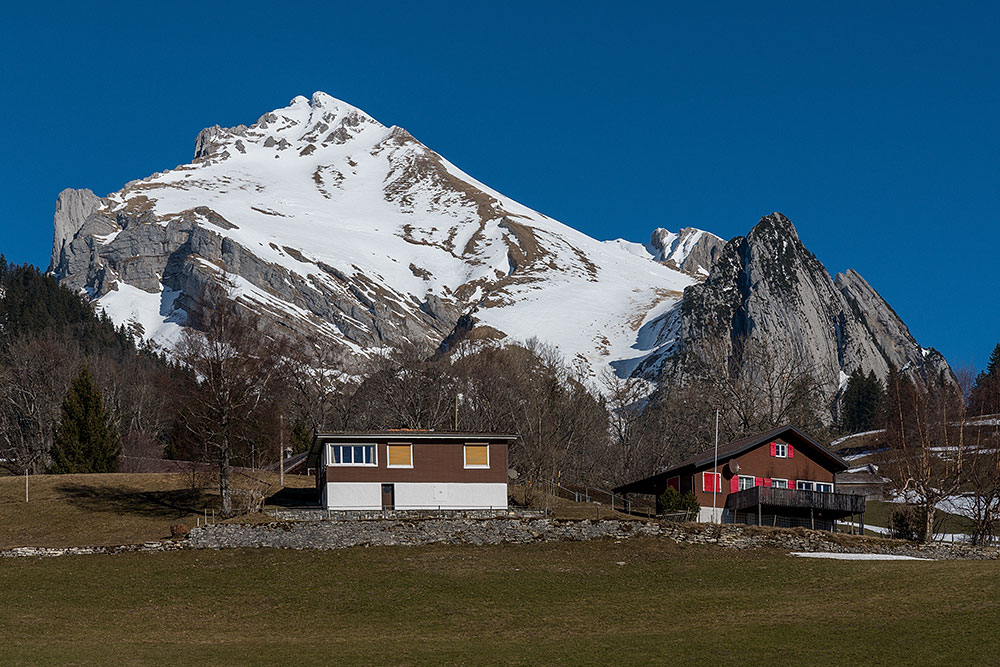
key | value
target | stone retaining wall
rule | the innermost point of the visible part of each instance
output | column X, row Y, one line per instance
column 399, row 532
column 47, row 552
column 320, row 514
column 343, row 534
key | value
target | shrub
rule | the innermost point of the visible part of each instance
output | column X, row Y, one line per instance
column 673, row 501
column 908, row 523
column 179, row 530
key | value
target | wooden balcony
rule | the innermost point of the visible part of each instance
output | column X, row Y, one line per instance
column 793, row 499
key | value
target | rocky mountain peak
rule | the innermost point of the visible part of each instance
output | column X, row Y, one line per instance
column 768, row 287
column 690, row 250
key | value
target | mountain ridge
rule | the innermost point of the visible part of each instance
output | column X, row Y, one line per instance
column 339, row 231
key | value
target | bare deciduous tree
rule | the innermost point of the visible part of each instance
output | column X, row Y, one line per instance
column 927, row 452
column 236, row 366
column 35, row 374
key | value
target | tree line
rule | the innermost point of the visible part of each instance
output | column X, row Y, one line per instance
column 78, row 394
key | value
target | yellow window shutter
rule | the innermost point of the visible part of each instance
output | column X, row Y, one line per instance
column 477, row 455
column 399, row 455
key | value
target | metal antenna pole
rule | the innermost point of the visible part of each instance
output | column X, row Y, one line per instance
column 281, row 447
column 716, row 482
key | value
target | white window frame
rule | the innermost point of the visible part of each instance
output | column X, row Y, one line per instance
column 826, row 484
column 812, row 485
column 783, row 454
column 373, row 464
column 465, row 451
column 774, row 483
column 398, row 444
column 739, row 484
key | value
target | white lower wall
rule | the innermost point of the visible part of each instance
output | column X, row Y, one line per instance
column 354, row 496
column 418, row 495
column 705, row 515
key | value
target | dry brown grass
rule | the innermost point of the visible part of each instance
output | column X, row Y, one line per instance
column 119, row 508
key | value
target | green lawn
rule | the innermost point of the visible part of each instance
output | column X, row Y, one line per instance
column 564, row 603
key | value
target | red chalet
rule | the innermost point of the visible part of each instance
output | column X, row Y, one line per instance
column 779, row 478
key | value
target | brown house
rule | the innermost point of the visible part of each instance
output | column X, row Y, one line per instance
column 780, row 478
column 410, row 469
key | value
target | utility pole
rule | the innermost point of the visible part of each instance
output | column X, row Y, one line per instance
column 716, row 482
column 25, row 483
column 281, row 448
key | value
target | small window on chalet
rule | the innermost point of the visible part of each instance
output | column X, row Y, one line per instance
column 779, row 483
column 477, row 456
column 354, row 455
column 804, row 486
column 824, row 487
column 746, row 482
column 779, row 449
column 400, row 456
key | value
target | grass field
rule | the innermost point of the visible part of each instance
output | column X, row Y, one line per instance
column 638, row 602
column 121, row 508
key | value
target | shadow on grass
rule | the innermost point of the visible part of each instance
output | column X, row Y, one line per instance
column 171, row 504
column 289, row 497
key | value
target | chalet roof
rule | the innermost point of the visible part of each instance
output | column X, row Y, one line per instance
column 403, row 435
column 859, row 478
column 737, row 447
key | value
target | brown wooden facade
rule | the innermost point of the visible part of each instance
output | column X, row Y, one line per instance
column 800, row 470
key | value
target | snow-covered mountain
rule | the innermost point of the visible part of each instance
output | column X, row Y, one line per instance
column 342, row 231
column 354, row 236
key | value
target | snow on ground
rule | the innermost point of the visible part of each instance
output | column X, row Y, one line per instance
column 854, row 435
column 852, row 556
column 156, row 313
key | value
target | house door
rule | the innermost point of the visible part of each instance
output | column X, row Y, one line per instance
column 388, row 496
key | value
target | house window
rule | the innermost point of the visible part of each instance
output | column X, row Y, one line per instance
column 781, row 450
column 804, row 486
column 824, row 487
column 779, row 483
column 711, row 481
column 746, row 482
column 477, row 456
column 354, row 455
column 400, row 456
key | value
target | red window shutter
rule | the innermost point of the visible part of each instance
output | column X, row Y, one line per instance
column 774, row 449
column 674, row 483
column 705, row 477
column 791, row 452
column 767, row 481
column 791, row 484
column 734, row 484
column 758, row 481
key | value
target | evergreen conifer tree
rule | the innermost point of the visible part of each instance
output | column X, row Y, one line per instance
column 984, row 399
column 862, row 402
column 85, row 439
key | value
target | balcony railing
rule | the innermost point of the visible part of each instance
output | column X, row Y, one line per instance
column 847, row 503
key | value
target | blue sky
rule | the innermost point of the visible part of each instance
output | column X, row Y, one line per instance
column 874, row 126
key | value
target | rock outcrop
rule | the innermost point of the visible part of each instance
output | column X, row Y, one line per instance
column 768, row 287
column 690, row 250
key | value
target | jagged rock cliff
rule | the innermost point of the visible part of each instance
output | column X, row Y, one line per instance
column 768, row 287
